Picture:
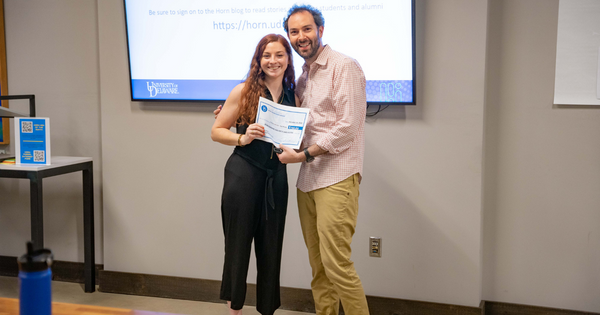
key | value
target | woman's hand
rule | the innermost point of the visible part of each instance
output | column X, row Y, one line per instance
column 254, row 131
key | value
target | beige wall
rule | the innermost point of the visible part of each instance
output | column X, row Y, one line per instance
column 157, row 212
column 483, row 190
column 52, row 52
column 542, row 173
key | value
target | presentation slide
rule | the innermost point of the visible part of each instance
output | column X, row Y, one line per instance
column 199, row 50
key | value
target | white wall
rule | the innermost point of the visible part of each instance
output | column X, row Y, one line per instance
column 424, row 167
column 52, row 52
column 542, row 206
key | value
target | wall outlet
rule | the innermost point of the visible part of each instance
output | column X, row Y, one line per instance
column 375, row 246
column 3, row 151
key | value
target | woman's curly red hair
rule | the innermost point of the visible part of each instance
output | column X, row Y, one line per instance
column 255, row 84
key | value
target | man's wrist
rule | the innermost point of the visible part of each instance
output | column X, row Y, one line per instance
column 309, row 158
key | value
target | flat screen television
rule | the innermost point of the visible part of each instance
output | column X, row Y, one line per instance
column 194, row 50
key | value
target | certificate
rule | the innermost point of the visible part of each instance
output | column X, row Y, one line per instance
column 283, row 124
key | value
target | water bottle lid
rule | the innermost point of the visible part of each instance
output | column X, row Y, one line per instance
column 35, row 260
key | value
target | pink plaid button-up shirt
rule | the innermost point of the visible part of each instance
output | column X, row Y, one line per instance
column 334, row 89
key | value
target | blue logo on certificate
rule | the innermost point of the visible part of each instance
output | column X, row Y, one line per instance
column 263, row 108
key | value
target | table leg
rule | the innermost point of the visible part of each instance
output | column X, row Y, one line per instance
column 37, row 211
column 88, row 229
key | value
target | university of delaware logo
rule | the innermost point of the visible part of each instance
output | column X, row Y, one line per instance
column 161, row 88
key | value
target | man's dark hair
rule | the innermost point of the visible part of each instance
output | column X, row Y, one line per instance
column 317, row 15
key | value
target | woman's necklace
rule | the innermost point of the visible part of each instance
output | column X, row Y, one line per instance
column 280, row 97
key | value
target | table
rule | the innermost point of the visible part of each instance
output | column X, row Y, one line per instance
column 11, row 307
column 60, row 165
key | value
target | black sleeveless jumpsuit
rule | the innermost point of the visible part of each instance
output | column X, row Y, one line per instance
column 253, row 207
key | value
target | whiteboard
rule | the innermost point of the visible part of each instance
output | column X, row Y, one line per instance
column 577, row 77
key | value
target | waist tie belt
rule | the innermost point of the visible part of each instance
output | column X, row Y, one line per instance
column 269, row 199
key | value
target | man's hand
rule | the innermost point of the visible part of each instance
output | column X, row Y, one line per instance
column 217, row 111
column 289, row 155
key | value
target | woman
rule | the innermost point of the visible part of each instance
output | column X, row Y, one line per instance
column 255, row 191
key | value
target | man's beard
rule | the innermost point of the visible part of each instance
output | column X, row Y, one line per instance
column 312, row 52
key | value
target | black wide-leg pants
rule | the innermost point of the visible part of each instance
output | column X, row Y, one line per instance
column 245, row 218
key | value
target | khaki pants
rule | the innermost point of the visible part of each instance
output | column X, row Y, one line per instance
column 328, row 219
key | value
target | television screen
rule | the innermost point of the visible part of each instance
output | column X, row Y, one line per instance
column 191, row 50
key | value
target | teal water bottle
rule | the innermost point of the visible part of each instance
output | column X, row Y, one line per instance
column 35, row 282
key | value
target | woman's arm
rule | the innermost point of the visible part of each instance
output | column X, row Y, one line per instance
column 226, row 119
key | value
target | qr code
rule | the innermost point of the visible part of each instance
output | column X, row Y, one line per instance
column 39, row 156
column 27, row 126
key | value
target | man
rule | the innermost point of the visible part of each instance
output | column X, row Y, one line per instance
column 332, row 86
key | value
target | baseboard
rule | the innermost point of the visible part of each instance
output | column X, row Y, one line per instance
column 294, row 299
column 8, row 266
column 500, row 308
column 61, row 270
column 192, row 289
